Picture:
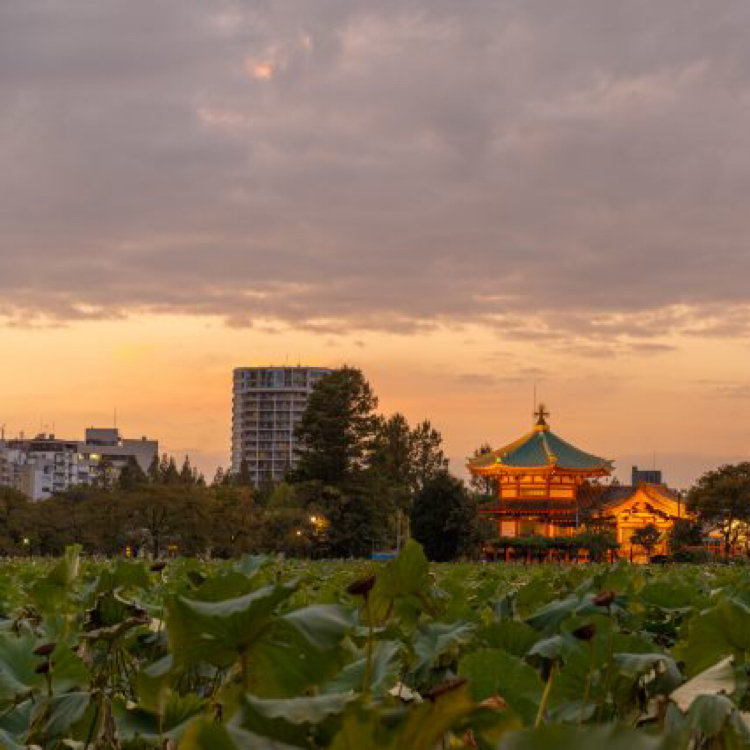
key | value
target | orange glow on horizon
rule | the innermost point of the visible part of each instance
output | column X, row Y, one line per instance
column 169, row 377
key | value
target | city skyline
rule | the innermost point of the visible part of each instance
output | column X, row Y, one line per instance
column 468, row 408
column 461, row 200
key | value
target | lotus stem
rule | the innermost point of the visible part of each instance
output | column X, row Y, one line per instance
column 368, row 649
column 545, row 697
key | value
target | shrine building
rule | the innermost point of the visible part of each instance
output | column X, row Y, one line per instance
column 544, row 487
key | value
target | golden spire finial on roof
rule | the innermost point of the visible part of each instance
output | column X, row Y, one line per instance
column 541, row 415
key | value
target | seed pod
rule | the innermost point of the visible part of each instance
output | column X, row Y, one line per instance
column 45, row 649
column 604, row 598
column 445, row 687
column 158, row 566
column 585, row 632
column 361, row 587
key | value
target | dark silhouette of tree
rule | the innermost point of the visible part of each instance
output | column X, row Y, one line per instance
column 685, row 534
column 337, row 430
column 131, row 476
column 444, row 518
column 427, row 455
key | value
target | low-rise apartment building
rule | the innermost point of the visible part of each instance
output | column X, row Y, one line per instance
column 45, row 464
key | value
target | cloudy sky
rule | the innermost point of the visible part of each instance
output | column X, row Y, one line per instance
column 464, row 198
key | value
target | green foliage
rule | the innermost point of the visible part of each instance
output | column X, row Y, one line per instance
column 359, row 470
column 597, row 543
column 722, row 500
column 337, row 429
column 685, row 534
column 647, row 537
column 444, row 518
column 287, row 654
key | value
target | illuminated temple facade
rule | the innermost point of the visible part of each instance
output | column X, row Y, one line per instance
column 544, row 487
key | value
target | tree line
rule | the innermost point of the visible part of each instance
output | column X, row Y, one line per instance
column 362, row 482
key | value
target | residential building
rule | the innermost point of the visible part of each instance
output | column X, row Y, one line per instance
column 267, row 404
column 45, row 464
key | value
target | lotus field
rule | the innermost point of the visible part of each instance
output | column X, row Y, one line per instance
column 267, row 653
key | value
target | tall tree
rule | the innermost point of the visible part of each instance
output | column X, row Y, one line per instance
column 189, row 474
column 428, row 459
column 685, row 534
column 131, row 475
column 444, row 518
column 337, row 429
column 722, row 500
column 392, row 468
column 154, row 470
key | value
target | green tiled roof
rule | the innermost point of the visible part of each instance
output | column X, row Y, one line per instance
column 539, row 449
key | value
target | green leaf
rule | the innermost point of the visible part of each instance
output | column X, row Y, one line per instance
column 216, row 632
column 492, row 672
column 66, row 569
column 513, row 636
column 7, row 742
column 69, row 671
column 292, row 720
column 364, row 730
column 178, row 712
column 436, row 639
column 385, row 667
column 406, row 577
column 716, row 716
column 17, row 667
column 723, row 630
column 250, row 565
column 428, row 722
column 548, row 649
column 296, row 711
column 124, row 574
column 229, row 585
column 668, row 596
column 561, row 737
column 62, row 712
column 323, row 625
column 548, row 618
column 153, row 685
column 283, row 663
column 204, row 734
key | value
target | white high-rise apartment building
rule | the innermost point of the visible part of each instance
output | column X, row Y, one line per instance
column 43, row 465
column 267, row 404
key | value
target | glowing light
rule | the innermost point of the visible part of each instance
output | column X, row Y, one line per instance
column 313, row 519
column 261, row 70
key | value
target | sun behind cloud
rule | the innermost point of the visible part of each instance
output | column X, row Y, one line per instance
column 260, row 70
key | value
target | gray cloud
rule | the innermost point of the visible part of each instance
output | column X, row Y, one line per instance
column 578, row 172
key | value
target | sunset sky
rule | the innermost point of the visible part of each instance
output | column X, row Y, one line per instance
column 464, row 198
